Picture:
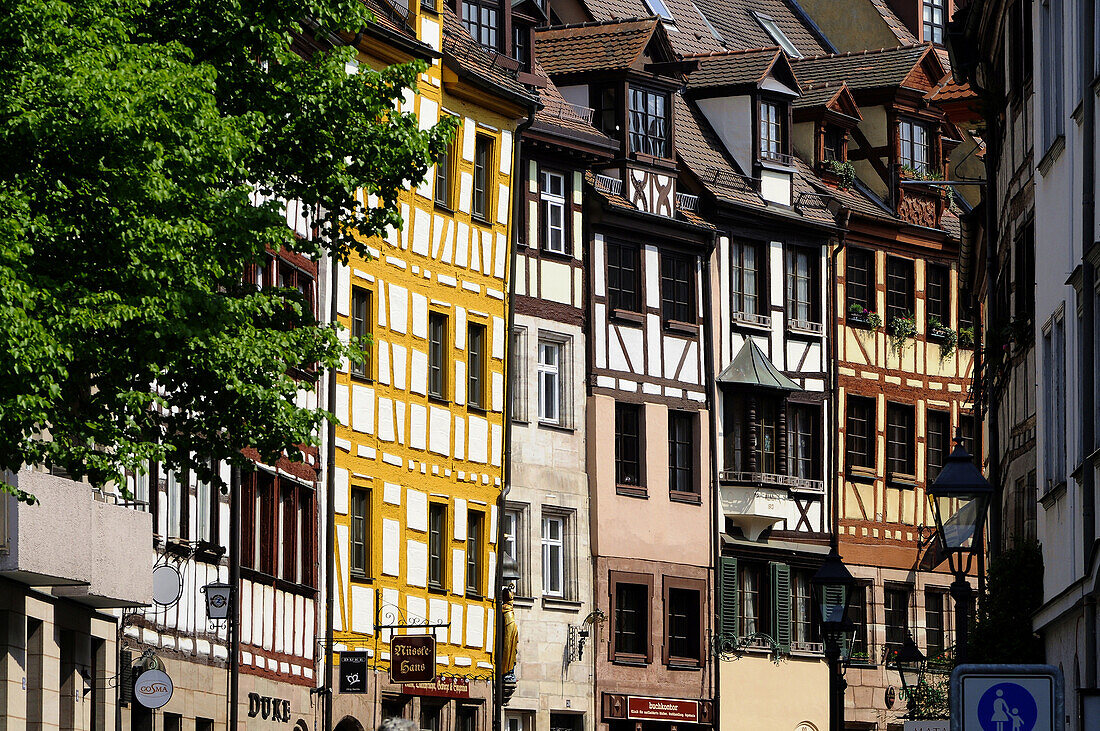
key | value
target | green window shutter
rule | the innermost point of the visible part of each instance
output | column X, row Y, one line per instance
column 781, row 603
column 727, row 607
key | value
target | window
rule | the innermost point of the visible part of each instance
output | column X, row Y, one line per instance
column 261, row 272
column 804, row 630
column 933, row 624
column 550, row 381
column 857, row 614
column 429, row 716
column 437, row 545
column 772, row 29
column 513, row 520
column 267, row 530
column 913, row 141
column 833, row 144
column 802, row 438
column 177, row 507
column 293, row 278
column 622, row 277
column 360, row 329
column 739, row 454
column 480, row 19
column 748, row 592
column 631, row 620
column 307, row 543
column 360, row 524
column 966, row 432
column 860, row 435
column 517, row 356
column 937, row 295
column 605, row 101
column 1025, row 273
column 801, row 269
column 1054, row 402
column 771, row 130
column 935, row 20
column 859, row 278
column 657, row 7
column 288, row 541
column 553, row 209
column 627, row 445
column 475, row 365
column 676, row 288
column 899, row 288
column 681, row 458
column 649, row 121
column 466, row 718
column 443, row 171
column 437, row 359
column 937, row 443
column 483, row 165
column 896, row 604
column 553, row 556
column 682, row 624
column 473, row 553
column 900, row 440
column 206, row 510
column 521, row 42
column 1019, row 45
column 745, row 278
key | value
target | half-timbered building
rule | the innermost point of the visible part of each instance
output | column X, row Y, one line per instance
column 647, row 410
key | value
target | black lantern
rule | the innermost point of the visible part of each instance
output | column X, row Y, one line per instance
column 909, row 661
column 832, row 588
column 218, row 596
column 960, row 499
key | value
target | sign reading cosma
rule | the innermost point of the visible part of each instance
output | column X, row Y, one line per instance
column 412, row 659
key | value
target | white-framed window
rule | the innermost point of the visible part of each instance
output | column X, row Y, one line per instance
column 552, row 207
column 204, row 514
column 515, row 543
column 1054, row 405
column 550, row 391
column 553, row 555
column 175, row 504
column 517, row 357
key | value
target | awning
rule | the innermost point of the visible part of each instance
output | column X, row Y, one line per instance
column 752, row 368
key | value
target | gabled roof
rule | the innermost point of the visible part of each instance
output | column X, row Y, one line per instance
column 834, row 96
column 750, row 367
column 469, row 58
column 914, row 66
column 737, row 21
column 741, row 68
column 610, row 45
column 893, row 22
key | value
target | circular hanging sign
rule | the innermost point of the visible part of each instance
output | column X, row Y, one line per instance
column 167, row 585
column 153, row 688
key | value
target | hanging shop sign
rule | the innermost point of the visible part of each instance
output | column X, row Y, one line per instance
column 440, row 687
column 353, row 672
column 412, row 658
column 153, row 688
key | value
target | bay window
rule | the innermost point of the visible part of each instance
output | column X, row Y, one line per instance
column 649, row 121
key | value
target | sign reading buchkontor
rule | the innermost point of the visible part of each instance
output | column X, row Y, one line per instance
column 1007, row 698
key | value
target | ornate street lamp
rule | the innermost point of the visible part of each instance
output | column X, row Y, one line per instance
column 960, row 499
column 909, row 661
column 832, row 588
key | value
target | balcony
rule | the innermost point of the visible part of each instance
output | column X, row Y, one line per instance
column 756, row 501
column 88, row 549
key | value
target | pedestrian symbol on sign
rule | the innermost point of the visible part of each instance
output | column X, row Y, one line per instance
column 1007, row 707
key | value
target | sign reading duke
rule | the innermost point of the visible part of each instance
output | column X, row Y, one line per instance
column 1007, row 698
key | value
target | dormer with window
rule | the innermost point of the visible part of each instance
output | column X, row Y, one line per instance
column 626, row 73
column 747, row 98
column 824, row 117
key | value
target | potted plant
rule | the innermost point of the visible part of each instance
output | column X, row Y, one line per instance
column 844, row 171
column 966, row 337
column 862, row 317
column 902, row 328
column 942, row 334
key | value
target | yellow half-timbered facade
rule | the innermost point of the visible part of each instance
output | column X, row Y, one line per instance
column 420, row 440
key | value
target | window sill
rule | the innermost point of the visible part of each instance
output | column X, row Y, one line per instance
column 550, row 253
column 663, row 162
column 476, row 407
column 477, row 218
column 862, row 474
column 556, row 427
column 630, row 660
column 685, row 664
column 806, row 329
column 360, row 377
column 628, row 316
column 678, row 496
column 439, row 400
column 1051, row 496
column 444, row 207
column 681, row 327
column 751, row 321
column 859, row 322
column 436, row 588
column 560, row 604
column 523, row 602
column 632, row 491
column 1051, row 155
column 361, row 577
column 902, row 480
column 475, row 595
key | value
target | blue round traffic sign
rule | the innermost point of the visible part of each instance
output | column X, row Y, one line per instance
column 1007, row 707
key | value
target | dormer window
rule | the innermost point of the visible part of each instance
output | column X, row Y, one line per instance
column 772, row 143
column 935, row 16
column 481, row 18
column 658, row 8
column 914, row 149
column 832, row 148
column 649, row 121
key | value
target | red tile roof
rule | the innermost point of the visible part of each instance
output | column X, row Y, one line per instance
column 601, row 46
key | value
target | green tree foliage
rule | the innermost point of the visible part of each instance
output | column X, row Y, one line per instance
column 133, row 138
column 1014, row 592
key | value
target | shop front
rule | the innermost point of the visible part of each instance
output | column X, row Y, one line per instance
column 649, row 713
column 451, row 702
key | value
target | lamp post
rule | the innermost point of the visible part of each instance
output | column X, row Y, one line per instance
column 832, row 588
column 909, row 661
column 960, row 498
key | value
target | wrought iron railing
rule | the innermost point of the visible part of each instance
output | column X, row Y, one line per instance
column 798, row 484
column 687, row 202
column 609, row 185
column 749, row 318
